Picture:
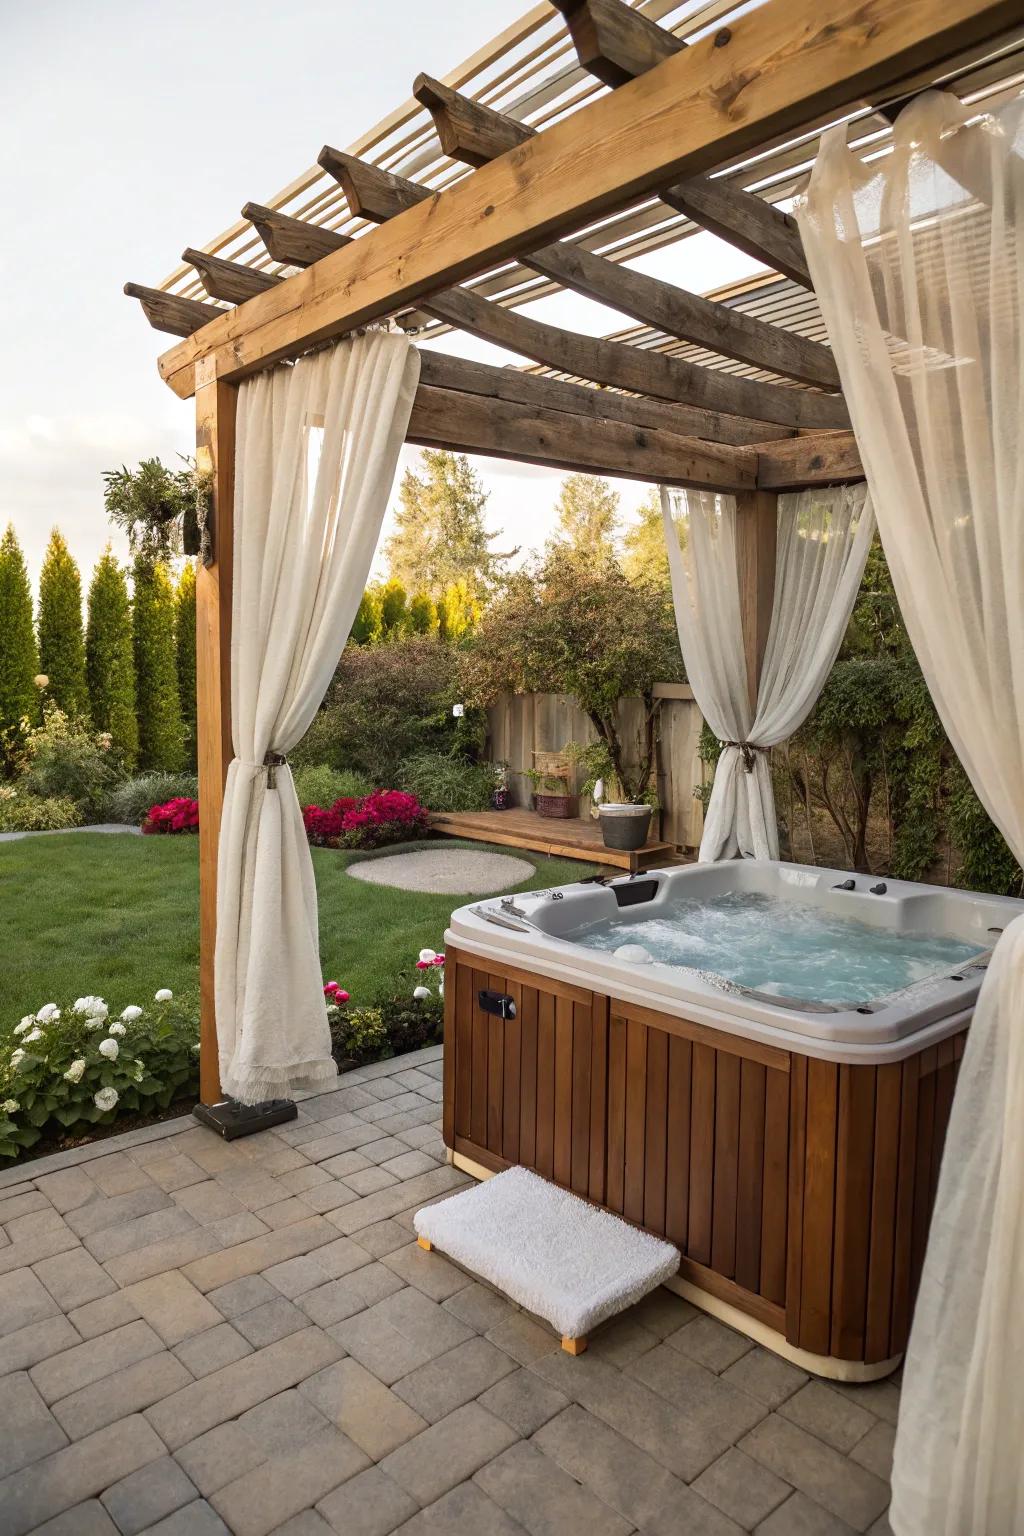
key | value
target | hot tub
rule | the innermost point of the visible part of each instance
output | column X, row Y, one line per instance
column 755, row 1060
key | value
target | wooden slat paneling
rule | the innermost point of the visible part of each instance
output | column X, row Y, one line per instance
column 750, row 1175
column 617, row 1040
column 636, row 1121
column 495, row 1070
column 528, row 1080
column 905, row 1176
column 546, row 1085
column 884, row 1176
column 856, row 1144
column 512, row 1077
column 819, row 1205
column 582, row 1049
column 562, row 1168
column 598, row 1098
column 702, row 1153
column 677, row 1172
column 478, row 1116
column 724, row 1182
column 655, row 1129
column 776, row 1215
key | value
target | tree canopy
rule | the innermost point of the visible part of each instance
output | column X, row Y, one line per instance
column 644, row 556
column 61, row 637
column 588, row 512
column 440, row 535
column 19, row 659
column 110, row 665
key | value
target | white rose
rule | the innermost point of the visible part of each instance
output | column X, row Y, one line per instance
column 428, row 956
column 48, row 1014
column 10, row 1106
column 118, row 1029
column 75, row 1071
column 420, row 993
column 163, row 996
column 17, row 1057
column 106, row 1098
column 131, row 1013
column 109, row 1049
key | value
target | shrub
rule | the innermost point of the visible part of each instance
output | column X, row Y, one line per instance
column 178, row 815
column 22, row 812
column 390, row 702
column 19, row 659
column 61, row 641
column 185, row 653
column 316, row 784
column 161, row 732
column 388, row 1029
column 448, row 783
column 324, row 827
column 69, row 1068
column 66, row 759
column 109, row 662
column 129, row 801
column 383, row 817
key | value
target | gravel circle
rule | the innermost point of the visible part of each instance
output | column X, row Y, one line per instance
column 445, row 871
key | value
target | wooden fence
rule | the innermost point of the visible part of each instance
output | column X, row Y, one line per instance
column 524, row 723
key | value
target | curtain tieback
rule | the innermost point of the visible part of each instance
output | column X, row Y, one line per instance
column 272, row 762
column 748, row 748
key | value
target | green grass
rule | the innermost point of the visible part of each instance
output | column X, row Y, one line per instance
column 117, row 916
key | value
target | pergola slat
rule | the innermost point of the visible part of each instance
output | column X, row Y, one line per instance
column 532, row 434
column 616, row 44
column 229, row 280
column 292, row 242
column 783, row 65
column 819, row 459
column 475, row 134
column 171, row 312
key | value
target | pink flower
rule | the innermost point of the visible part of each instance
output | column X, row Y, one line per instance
column 438, row 960
column 329, row 987
column 424, row 965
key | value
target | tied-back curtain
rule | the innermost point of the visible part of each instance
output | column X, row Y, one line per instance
column 317, row 448
column 918, row 261
column 823, row 541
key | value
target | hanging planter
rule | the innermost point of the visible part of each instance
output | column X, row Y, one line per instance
column 164, row 512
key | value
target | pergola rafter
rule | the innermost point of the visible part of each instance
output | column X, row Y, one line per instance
column 675, row 114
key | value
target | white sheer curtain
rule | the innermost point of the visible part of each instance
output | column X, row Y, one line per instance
column 823, row 540
column 317, row 447
column 918, row 261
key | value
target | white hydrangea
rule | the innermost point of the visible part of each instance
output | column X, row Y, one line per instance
column 36, row 1034
column 85, row 1004
column 26, row 1023
column 49, row 1013
column 131, row 1013
column 75, row 1072
column 17, row 1058
column 163, row 996
column 109, row 1049
column 106, row 1098
column 139, row 1071
column 118, row 1029
column 421, row 993
column 10, row 1106
column 428, row 956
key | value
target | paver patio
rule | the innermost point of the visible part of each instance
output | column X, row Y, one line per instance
column 199, row 1336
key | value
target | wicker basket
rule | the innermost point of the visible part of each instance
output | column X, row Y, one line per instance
column 556, row 806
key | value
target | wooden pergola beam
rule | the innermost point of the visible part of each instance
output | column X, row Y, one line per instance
column 229, row 280
column 292, row 242
column 171, row 312
column 783, row 64
column 475, row 134
column 504, row 429
column 616, row 43
column 638, row 411
column 823, row 458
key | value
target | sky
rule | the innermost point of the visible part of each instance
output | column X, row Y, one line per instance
column 133, row 129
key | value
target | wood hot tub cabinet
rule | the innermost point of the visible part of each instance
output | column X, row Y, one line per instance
column 798, row 1190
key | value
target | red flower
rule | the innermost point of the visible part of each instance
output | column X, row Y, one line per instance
column 179, row 815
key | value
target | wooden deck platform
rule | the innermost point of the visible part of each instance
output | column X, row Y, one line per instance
column 574, row 838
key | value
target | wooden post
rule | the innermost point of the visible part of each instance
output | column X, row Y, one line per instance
column 756, row 538
column 215, row 453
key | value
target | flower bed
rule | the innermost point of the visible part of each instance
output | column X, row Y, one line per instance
column 376, row 820
column 178, row 815
column 73, row 1068
column 360, row 1035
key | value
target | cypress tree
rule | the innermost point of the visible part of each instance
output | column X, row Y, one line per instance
column 19, row 660
column 61, row 639
column 185, row 644
column 161, row 734
column 109, row 660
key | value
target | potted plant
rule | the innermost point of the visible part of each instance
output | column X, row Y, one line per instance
column 551, row 793
column 624, row 810
column 164, row 512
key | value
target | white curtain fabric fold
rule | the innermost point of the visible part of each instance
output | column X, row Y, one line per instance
column 823, row 540
column 918, row 261
column 317, row 448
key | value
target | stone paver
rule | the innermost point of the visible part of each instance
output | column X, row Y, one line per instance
column 203, row 1338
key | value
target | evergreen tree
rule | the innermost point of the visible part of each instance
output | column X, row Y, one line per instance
column 19, row 660
column 394, row 610
column 109, row 660
column 587, row 510
column 61, row 638
column 422, row 614
column 440, row 536
column 185, row 646
column 161, row 733
column 368, row 624
column 458, row 613
column 645, row 557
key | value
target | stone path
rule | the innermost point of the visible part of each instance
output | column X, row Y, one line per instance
column 108, row 827
column 445, row 871
column 199, row 1336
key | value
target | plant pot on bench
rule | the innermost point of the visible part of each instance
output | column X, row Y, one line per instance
column 625, row 826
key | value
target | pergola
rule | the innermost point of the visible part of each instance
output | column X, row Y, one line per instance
column 543, row 181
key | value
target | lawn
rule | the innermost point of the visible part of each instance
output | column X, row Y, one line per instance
column 88, row 913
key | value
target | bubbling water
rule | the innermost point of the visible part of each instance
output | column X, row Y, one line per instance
column 785, row 948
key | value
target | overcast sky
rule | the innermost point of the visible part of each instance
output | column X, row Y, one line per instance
column 132, row 129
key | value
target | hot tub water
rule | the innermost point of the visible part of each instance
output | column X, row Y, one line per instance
column 783, row 947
